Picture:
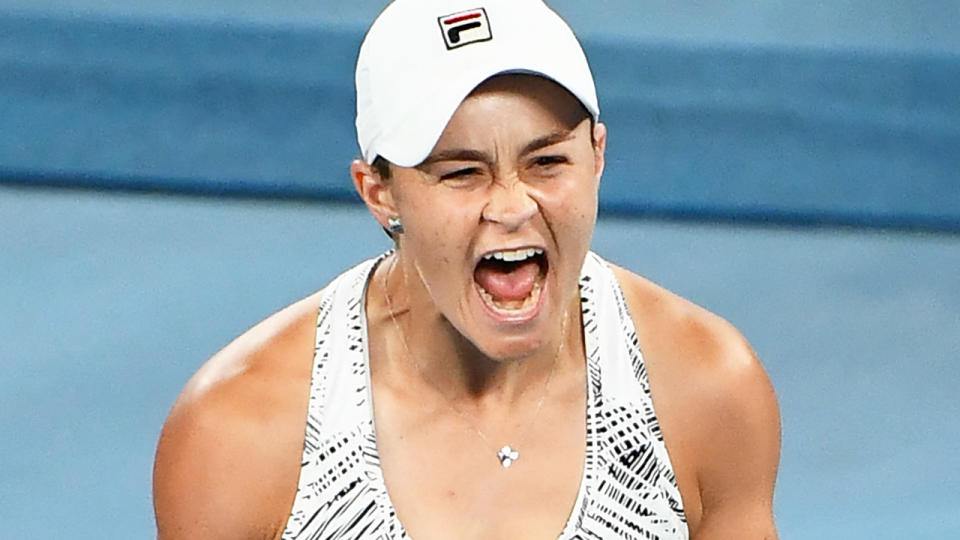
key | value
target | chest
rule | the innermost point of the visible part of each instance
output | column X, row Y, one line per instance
column 443, row 478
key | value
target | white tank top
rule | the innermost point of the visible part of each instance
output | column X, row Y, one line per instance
column 628, row 489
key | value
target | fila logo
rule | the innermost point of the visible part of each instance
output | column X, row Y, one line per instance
column 465, row 27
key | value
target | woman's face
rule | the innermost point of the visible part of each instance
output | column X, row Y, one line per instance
column 498, row 218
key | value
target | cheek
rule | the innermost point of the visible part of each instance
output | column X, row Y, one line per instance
column 587, row 195
column 580, row 222
column 438, row 236
column 573, row 216
column 574, row 201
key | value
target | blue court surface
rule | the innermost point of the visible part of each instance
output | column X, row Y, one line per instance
column 108, row 302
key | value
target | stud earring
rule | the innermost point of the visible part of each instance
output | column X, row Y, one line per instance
column 394, row 225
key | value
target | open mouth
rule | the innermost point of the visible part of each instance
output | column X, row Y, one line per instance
column 510, row 281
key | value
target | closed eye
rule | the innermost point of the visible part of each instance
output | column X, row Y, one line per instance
column 544, row 161
column 460, row 173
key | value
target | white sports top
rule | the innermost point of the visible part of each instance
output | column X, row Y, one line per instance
column 628, row 489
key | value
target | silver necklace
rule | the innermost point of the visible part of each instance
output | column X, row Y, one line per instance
column 507, row 455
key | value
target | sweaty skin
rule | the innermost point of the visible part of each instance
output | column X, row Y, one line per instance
column 517, row 166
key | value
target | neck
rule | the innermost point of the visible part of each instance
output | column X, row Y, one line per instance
column 424, row 345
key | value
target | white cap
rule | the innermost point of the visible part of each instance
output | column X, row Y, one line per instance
column 421, row 58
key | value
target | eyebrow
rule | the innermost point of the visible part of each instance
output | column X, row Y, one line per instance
column 458, row 154
column 464, row 154
column 547, row 140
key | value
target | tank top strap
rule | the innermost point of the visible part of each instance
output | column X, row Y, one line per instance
column 337, row 492
column 630, row 483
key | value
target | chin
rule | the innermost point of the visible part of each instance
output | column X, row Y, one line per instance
column 511, row 349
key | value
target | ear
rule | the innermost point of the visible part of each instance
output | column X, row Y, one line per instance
column 373, row 190
column 599, row 149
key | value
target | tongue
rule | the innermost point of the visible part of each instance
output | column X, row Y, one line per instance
column 508, row 282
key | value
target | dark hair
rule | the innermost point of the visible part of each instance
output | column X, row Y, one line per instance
column 382, row 166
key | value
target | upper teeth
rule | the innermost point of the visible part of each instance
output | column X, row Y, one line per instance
column 513, row 255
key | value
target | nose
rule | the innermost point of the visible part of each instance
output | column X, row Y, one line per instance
column 510, row 204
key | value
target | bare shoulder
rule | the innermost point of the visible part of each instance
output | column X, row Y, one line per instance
column 695, row 341
column 228, row 459
column 716, row 407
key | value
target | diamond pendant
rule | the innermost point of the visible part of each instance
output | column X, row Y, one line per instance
column 507, row 456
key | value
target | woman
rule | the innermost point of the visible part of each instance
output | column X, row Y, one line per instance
column 484, row 379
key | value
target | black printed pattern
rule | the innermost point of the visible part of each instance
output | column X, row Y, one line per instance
column 628, row 490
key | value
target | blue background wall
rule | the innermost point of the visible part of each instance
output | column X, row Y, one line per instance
column 722, row 114
column 770, row 111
